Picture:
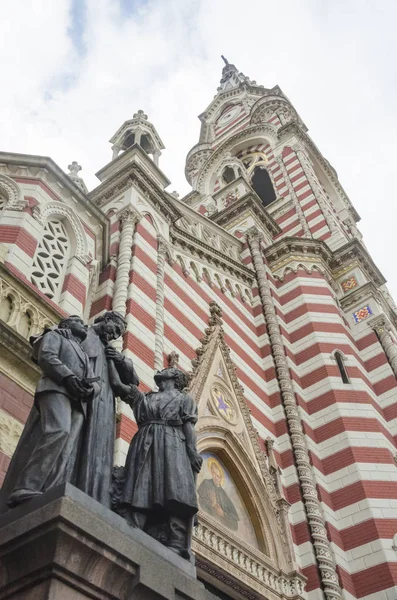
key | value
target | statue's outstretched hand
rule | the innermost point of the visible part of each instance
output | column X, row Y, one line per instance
column 196, row 460
column 113, row 354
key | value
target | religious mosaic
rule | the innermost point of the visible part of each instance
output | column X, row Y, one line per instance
column 224, row 404
column 219, row 497
column 362, row 313
column 349, row 284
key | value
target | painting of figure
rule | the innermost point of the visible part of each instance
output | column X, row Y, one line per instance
column 219, row 497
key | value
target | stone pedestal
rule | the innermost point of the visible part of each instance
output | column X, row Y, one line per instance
column 66, row 546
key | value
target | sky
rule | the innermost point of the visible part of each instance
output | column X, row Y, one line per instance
column 74, row 70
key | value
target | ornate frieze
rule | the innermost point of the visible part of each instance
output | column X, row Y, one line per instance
column 241, row 206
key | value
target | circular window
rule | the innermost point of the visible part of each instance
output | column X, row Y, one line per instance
column 228, row 115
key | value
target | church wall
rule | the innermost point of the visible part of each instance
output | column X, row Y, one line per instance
column 15, row 404
column 186, row 316
column 349, row 442
column 22, row 230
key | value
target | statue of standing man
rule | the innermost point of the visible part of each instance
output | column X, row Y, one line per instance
column 95, row 472
column 70, row 432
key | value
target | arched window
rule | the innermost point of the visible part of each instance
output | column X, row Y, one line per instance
column 228, row 175
column 340, row 359
column 262, row 185
column 51, row 259
column 3, row 201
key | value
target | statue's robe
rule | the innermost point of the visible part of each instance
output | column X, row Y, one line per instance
column 158, row 473
column 95, row 469
column 47, row 454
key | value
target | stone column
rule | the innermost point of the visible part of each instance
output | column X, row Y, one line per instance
column 159, row 327
column 382, row 328
column 311, row 501
column 128, row 218
column 295, row 200
column 156, row 156
column 116, row 150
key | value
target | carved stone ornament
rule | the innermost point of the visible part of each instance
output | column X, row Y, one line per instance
column 13, row 194
column 10, row 432
column 233, row 433
column 173, row 359
column 44, row 211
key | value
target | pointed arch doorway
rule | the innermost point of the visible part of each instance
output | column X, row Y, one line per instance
column 242, row 540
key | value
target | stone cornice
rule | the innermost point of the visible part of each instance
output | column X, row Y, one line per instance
column 47, row 165
column 302, row 249
column 133, row 174
column 249, row 201
column 311, row 250
column 359, row 294
column 354, row 250
column 180, row 237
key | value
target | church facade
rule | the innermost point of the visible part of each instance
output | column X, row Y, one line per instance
column 259, row 285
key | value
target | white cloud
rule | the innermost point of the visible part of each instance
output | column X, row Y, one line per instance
column 334, row 60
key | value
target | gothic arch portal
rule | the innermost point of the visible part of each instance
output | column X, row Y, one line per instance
column 240, row 521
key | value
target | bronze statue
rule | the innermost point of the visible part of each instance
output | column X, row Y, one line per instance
column 95, row 472
column 69, row 434
column 159, row 494
column 49, row 448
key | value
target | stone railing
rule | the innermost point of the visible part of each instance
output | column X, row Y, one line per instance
column 249, row 566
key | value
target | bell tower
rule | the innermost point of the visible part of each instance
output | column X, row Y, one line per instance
column 138, row 130
column 251, row 137
column 328, row 322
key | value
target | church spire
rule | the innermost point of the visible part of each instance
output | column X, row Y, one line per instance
column 231, row 76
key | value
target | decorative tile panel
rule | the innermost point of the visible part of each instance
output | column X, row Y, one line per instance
column 362, row 313
column 349, row 284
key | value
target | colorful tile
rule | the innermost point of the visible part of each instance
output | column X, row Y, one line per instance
column 362, row 313
column 349, row 284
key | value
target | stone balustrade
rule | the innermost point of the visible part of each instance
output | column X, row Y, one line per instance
column 253, row 569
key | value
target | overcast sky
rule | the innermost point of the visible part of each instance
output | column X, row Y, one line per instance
column 74, row 70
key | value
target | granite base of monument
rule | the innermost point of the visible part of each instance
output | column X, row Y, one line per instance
column 66, row 546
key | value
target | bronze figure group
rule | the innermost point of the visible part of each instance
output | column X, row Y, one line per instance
column 70, row 431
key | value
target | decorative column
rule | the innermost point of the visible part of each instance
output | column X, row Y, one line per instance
column 382, row 328
column 156, row 156
column 162, row 246
column 128, row 218
column 116, row 151
column 325, row 561
column 295, row 200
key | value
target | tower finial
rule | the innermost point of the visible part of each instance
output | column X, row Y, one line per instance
column 224, row 59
